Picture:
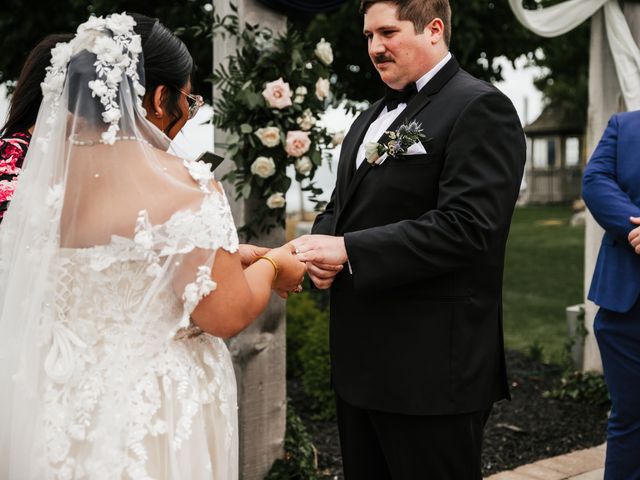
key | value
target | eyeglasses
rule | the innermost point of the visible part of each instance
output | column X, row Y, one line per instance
column 195, row 102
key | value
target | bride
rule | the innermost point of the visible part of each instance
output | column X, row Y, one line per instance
column 120, row 275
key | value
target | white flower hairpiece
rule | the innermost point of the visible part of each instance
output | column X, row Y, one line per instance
column 117, row 48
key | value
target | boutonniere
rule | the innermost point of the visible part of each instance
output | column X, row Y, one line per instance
column 399, row 142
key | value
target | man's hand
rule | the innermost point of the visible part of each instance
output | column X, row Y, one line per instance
column 321, row 249
column 322, row 275
column 250, row 253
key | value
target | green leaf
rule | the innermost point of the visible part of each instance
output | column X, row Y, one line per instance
column 246, row 190
column 246, row 128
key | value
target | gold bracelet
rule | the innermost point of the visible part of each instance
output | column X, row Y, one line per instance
column 273, row 263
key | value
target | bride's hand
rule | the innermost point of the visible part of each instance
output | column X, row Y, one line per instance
column 250, row 253
column 290, row 270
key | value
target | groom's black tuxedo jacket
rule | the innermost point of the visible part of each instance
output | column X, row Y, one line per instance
column 417, row 327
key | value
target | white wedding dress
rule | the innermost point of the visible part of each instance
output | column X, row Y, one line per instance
column 107, row 248
column 123, row 399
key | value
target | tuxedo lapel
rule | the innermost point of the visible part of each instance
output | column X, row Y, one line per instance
column 420, row 101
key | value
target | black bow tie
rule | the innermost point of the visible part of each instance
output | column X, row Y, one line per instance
column 394, row 97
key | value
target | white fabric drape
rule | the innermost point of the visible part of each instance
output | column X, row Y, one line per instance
column 563, row 17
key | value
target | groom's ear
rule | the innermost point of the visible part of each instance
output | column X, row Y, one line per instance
column 435, row 31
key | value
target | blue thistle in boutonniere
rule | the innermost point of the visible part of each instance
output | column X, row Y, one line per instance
column 399, row 142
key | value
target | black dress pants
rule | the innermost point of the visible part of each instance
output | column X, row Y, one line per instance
column 390, row 446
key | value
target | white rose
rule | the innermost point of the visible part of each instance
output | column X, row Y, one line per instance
column 337, row 139
column 304, row 165
column 307, row 120
column 371, row 152
column 276, row 200
column 322, row 88
column 263, row 167
column 324, row 52
column 269, row 136
column 301, row 92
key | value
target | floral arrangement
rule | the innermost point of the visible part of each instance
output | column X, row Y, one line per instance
column 272, row 93
column 399, row 142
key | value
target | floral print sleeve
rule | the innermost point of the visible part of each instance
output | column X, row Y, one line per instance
column 13, row 148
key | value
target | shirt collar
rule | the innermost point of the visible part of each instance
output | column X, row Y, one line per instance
column 422, row 81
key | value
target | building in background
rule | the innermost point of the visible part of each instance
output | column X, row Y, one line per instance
column 556, row 156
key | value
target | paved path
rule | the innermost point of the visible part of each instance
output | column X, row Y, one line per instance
column 579, row 465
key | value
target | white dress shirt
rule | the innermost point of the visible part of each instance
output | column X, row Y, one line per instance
column 386, row 118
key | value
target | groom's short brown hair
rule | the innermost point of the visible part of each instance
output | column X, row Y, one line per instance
column 419, row 12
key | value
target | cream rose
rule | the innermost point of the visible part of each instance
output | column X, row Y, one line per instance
column 269, row 136
column 300, row 94
column 263, row 167
column 276, row 200
column 298, row 143
column 371, row 152
column 337, row 139
column 307, row 120
column 304, row 165
column 324, row 52
column 322, row 88
column 278, row 94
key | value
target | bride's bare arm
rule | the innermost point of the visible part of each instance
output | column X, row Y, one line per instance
column 241, row 295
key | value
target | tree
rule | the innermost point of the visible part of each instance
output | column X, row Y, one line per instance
column 24, row 24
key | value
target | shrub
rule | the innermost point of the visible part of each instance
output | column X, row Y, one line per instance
column 586, row 387
column 300, row 457
column 308, row 352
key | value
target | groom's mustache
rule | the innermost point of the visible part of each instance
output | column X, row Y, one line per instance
column 381, row 59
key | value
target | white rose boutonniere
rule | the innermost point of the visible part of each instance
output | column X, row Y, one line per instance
column 324, row 52
column 263, row 167
column 399, row 142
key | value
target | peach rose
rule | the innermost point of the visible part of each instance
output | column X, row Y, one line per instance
column 278, row 94
column 298, row 143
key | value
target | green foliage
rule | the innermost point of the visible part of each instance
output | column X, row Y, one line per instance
column 24, row 24
column 300, row 457
column 536, row 351
column 544, row 273
column 308, row 352
column 584, row 387
column 242, row 110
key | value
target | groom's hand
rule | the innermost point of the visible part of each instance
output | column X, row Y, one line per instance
column 322, row 275
column 321, row 249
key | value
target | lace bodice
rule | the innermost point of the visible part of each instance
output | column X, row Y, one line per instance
column 126, row 390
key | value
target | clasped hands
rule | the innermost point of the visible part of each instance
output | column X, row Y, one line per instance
column 634, row 235
column 321, row 256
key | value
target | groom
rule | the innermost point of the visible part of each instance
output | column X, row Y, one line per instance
column 417, row 352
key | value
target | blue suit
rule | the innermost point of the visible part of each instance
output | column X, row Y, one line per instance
column 611, row 190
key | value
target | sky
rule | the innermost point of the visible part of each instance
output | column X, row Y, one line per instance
column 197, row 136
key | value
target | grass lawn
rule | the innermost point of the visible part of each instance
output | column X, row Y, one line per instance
column 543, row 275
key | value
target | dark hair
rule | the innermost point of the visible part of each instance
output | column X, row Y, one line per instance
column 166, row 62
column 27, row 95
column 420, row 12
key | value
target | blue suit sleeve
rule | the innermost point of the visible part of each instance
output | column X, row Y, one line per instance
column 608, row 203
